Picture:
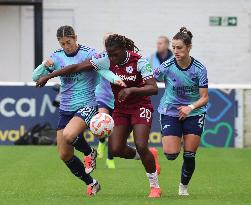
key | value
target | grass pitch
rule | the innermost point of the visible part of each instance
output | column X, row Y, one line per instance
column 35, row 175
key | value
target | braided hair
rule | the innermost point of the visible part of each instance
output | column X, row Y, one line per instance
column 121, row 41
column 184, row 35
column 65, row 31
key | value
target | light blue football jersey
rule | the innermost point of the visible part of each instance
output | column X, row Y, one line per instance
column 104, row 93
column 181, row 86
column 77, row 89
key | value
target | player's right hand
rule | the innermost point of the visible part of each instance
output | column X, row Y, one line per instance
column 120, row 83
column 48, row 63
column 42, row 81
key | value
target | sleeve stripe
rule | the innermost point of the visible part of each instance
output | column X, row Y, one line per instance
column 148, row 77
column 96, row 68
column 203, row 86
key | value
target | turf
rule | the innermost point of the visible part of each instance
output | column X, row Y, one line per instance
column 35, row 175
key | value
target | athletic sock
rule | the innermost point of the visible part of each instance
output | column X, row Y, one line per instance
column 188, row 167
column 77, row 168
column 81, row 145
column 153, row 179
column 137, row 156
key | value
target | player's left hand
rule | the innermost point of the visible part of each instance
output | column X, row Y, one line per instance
column 42, row 81
column 184, row 112
column 120, row 83
column 123, row 94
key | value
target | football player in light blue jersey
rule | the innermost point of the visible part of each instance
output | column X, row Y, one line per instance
column 183, row 106
column 77, row 105
column 105, row 100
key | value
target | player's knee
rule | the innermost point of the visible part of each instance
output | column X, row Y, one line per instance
column 171, row 156
column 68, row 136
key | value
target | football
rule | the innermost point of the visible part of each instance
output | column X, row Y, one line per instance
column 101, row 125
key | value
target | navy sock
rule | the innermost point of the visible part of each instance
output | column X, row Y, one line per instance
column 77, row 168
column 188, row 167
column 81, row 145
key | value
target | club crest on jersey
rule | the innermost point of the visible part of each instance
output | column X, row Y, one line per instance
column 99, row 55
column 129, row 69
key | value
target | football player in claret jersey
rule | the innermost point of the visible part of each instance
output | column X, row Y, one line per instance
column 77, row 104
column 133, row 108
column 183, row 106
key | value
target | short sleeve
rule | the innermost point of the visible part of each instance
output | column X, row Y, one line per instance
column 100, row 61
column 145, row 69
column 92, row 52
column 159, row 72
column 55, row 58
column 203, row 80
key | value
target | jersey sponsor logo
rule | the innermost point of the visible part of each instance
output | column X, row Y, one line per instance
column 184, row 90
column 129, row 69
column 128, row 78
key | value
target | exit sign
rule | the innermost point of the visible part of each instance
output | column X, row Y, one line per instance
column 223, row 21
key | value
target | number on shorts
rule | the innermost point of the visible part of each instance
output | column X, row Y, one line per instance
column 145, row 113
column 201, row 120
column 85, row 111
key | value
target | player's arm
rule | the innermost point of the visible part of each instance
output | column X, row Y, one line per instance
column 43, row 69
column 203, row 98
column 86, row 65
column 203, row 90
column 80, row 67
column 150, row 87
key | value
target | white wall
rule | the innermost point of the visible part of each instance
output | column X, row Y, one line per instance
column 226, row 51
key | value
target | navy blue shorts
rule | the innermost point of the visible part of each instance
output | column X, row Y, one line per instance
column 175, row 127
column 103, row 105
column 85, row 113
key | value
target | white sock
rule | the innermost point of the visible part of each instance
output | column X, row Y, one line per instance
column 93, row 182
column 153, row 179
column 137, row 157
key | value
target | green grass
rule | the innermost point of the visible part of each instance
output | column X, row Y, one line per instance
column 35, row 175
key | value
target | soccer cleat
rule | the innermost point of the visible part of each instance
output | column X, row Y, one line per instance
column 155, row 193
column 101, row 150
column 90, row 161
column 93, row 189
column 154, row 151
column 183, row 190
column 110, row 163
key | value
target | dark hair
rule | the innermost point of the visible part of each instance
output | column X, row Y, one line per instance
column 65, row 31
column 184, row 35
column 121, row 41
